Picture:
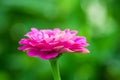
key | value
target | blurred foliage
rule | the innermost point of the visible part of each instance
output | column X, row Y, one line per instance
column 98, row 20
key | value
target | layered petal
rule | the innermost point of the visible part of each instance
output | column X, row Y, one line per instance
column 47, row 44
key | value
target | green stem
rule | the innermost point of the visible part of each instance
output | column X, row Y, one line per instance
column 55, row 69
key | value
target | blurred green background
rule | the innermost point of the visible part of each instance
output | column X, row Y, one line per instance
column 98, row 20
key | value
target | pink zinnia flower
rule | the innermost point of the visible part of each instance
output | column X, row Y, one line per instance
column 47, row 44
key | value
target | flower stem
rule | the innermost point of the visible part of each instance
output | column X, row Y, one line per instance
column 55, row 69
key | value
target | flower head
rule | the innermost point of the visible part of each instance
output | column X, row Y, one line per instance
column 47, row 44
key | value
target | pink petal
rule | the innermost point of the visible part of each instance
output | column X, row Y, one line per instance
column 82, row 50
column 34, row 29
column 65, row 50
column 33, row 52
column 47, row 55
column 23, row 48
column 74, row 32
